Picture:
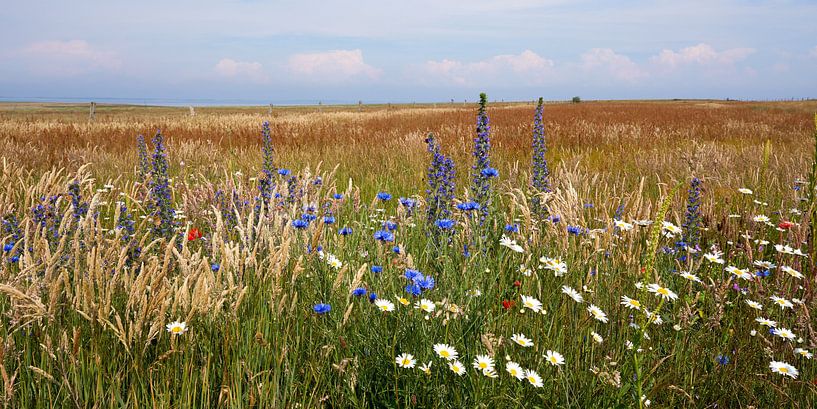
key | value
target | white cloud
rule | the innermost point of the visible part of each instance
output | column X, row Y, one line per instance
column 69, row 57
column 251, row 71
column 332, row 66
column 619, row 66
column 701, row 54
column 526, row 67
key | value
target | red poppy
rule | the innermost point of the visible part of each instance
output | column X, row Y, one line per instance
column 517, row 284
column 193, row 234
column 785, row 225
column 507, row 304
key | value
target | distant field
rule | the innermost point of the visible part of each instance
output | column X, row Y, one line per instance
column 613, row 254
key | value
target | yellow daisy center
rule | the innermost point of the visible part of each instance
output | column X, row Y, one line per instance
column 783, row 369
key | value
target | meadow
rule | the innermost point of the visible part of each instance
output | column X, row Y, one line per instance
column 604, row 254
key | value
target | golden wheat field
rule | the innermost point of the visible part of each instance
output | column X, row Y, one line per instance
column 606, row 254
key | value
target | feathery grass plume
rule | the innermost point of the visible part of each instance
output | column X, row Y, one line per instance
column 440, row 191
column 482, row 172
column 143, row 167
column 266, row 183
column 160, row 201
column 540, row 174
column 692, row 218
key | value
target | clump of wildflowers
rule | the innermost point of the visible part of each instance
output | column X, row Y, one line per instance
column 440, row 192
column 692, row 223
column 540, row 173
column 160, row 201
column 143, row 170
column 482, row 172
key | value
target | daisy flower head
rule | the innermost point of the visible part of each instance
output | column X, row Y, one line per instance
column 483, row 362
column 511, row 244
column 630, row 303
column 761, row 218
column 596, row 337
column 515, row 370
column 384, row 305
column 177, row 327
column 425, row 305
column 426, row 368
column 456, row 367
column 522, row 340
column 782, row 302
column 745, row 191
column 784, row 333
column 405, row 360
column 803, row 352
column 533, row 378
column 662, row 292
column 741, row 273
column 490, row 373
column 670, row 228
column 754, row 304
column 714, row 257
column 554, row 358
column 597, row 313
column 783, row 369
column 446, row 351
column 572, row 294
column 622, row 225
column 766, row 322
column 792, row 272
column 531, row 303
column 691, row 277
column 402, row 300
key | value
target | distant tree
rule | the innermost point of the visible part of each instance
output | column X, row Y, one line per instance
column 576, row 100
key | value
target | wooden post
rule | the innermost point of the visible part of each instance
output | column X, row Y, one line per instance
column 359, row 106
column 92, row 113
column 320, row 106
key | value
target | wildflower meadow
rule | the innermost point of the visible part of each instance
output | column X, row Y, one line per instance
column 477, row 255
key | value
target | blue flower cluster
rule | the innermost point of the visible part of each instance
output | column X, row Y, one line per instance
column 144, row 160
column 482, row 172
column 79, row 208
column 160, row 204
column 540, row 173
column 418, row 282
column 440, row 192
column 266, row 181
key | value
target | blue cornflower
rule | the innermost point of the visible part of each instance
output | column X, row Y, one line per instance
column 328, row 219
column 577, row 230
column 763, row 273
column 465, row 252
column 512, row 228
column 468, row 206
column 408, row 202
column 300, row 223
column 215, row 267
column 337, row 196
column 722, row 359
column 377, row 269
column 412, row 274
column 322, row 308
column 555, row 219
column 383, row 196
column 426, row 283
column 345, row 231
column 284, row 172
column 372, row 297
column 444, row 224
column 359, row 292
column 414, row 289
column 8, row 247
column 384, row 235
column 396, row 249
column 308, row 217
column 14, row 259
column 489, row 172
column 390, row 225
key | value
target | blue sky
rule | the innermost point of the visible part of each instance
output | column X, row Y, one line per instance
column 408, row 50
